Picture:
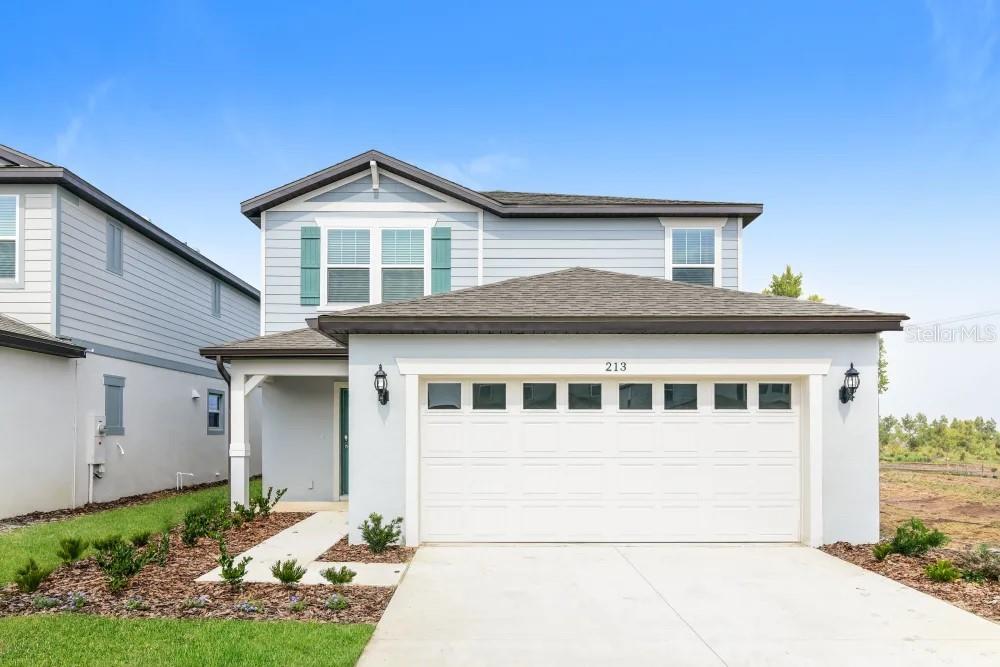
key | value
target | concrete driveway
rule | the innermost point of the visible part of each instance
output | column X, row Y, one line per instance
column 665, row 605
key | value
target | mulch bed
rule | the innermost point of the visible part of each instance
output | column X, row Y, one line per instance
column 342, row 552
column 982, row 599
column 163, row 590
column 22, row 520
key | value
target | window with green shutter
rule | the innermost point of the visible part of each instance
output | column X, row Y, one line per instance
column 8, row 237
column 348, row 275
column 309, row 266
column 440, row 260
column 402, row 264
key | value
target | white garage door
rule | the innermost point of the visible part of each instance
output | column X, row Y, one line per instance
column 655, row 460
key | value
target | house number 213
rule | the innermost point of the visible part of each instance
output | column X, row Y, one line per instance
column 615, row 366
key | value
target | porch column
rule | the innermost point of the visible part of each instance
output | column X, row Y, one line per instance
column 239, row 448
column 411, row 507
column 814, row 443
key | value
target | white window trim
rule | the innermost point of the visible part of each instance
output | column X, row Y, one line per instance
column 374, row 265
column 671, row 224
column 221, row 428
column 17, row 282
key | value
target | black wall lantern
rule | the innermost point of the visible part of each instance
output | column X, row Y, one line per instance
column 382, row 385
column 852, row 379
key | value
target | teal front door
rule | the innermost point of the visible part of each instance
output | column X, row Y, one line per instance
column 344, row 442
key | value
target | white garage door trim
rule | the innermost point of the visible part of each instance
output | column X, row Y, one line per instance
column 810, row 370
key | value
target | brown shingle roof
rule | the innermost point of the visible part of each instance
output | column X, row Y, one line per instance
column 304, row 342
column 582, row 300
column 552, row 199
column 17, row 334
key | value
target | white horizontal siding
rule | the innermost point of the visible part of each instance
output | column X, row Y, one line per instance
column 161, row 305
column 730, row 254
column 31, row 300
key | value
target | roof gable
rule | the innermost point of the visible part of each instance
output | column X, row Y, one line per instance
column 361, row 190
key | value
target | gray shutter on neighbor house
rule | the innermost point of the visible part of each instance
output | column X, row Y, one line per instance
column 114, row 405
column 440, row 260
column 309, row 263
column 115, row 249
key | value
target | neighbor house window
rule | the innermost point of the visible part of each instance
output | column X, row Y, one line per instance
column 444, row 396
column 539, row 395
column 114, row 405
column 585, row 396
column 489, row 396
column 116, row 248
column 216, row 298
column 402, row 264
column 774, row 396
column 635, row 396
column 730, row 396
column 8, row 237
column 680, row 396
column 693, row 256
column 216, row 408
column 348, row 254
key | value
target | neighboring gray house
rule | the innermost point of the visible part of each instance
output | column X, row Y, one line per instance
column 547, row 368
column 101, row 317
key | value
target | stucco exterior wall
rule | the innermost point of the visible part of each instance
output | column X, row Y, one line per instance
column 850, row 432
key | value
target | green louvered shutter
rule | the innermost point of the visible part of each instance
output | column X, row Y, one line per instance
column 309, row 263
column 440, row 260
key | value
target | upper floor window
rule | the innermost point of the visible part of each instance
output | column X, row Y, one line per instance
column 402, row 264
column 8, row 237
column 116, row 250
column 348, row 274
column 216, row 298
column 693, row 256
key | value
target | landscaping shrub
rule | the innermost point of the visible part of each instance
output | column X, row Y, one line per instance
column 71, row 549
column 195, row 603
column 106, row 543
column 205, row 521
column 380, row 537
column 242, row 514
column 232, row 572
column 342, row 576
column 76, row 601
column 29, row 576
column 263, row 504
column 120, row 561
column 136, row 603
column 942, row 571
column 159, row 552
column 912, row 538
column 45, row 602
column 295, row 603
column 336, row 602
column 140, row 539
column 288, row 572
column 249, row 606
column 980, row 564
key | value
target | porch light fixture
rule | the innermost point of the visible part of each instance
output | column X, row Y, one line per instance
column 382, row 385
column 852, row 379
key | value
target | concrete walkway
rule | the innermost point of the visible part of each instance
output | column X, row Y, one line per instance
column 660, row 605
column 305, row 542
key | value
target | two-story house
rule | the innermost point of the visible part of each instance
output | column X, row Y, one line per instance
column 537, row 367
column 102, row 313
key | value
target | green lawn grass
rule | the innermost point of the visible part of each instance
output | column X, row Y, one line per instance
column 72, row 639
column 41, row 540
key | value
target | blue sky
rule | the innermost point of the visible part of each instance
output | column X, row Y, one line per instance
column 870, row 131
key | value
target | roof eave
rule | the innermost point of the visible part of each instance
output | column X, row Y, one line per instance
column 269, row 353
column 42, row 345
column 67, row 179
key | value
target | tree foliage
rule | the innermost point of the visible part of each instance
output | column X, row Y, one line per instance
column 915, row 438
column 788, row 283
column 883, row 368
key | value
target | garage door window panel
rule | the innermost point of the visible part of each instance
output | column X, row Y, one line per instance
column 774, row 396
column 489, row 396
column 539, row 395
column 635, row 396
column 680, row 396
column 585, row 396
column 444, row 396
column 730, row 396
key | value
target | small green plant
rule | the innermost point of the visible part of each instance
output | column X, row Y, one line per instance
column 195, row 603
column 75, row 601
column 249, row 607
column 205, row 521
column 263, row 504
column 297, row 604
column 942, row 571
column 120, row 561
column 160, row 551
column 232, row 571
column 45, row 602
column 342, row 576
column 380, row 537
column 136, row 603
column 71, row 549
column 106, row 543
column 288, row 572
column 29, row 576
column 243, row 514
column 980, row 564
column 912, row 538
column 336, row 602
column 140, row 539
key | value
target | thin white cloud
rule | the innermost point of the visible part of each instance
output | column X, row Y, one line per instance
column 67, row 139
column 965, row 37
column 483, row 168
